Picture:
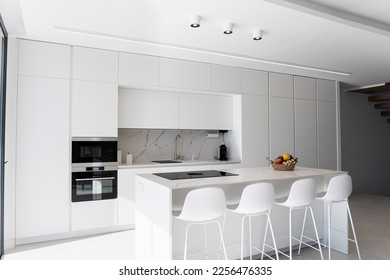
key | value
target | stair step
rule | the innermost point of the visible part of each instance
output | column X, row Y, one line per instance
column 385, row 113
column 373, row 89
column 382, row 106
column 382, row 97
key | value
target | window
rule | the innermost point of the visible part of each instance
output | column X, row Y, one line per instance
column 3, row 63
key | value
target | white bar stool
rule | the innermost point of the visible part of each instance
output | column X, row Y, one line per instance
column 256, row 200
column 302, row 194
column 339, row 189
column 201, row 207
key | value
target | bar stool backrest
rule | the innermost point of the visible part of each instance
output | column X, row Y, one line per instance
column 204, row 204
column 302, row 193
column 339, row 188
column 256, row 198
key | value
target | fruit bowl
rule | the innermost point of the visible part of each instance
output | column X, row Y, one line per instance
column 286, row 162
column 282, row 167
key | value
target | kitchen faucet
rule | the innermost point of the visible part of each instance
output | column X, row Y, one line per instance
column 177, row 155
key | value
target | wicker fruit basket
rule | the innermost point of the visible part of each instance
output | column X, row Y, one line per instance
column 282, row 167
column 286, row 162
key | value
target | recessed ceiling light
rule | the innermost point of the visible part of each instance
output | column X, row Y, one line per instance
column 228, row 28
column 257, row 34
column 194, row 21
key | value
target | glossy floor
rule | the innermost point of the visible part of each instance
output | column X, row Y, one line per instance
column 371, row 216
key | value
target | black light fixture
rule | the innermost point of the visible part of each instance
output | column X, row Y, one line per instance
column 257, row 34
column 194, row 21
column 228, row 28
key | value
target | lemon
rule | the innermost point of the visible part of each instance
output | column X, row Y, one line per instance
column 286, row 157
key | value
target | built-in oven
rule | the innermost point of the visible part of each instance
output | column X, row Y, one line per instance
column 94, row 169
column 94, row 183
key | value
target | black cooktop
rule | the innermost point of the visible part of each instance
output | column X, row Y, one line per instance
column 194, row 174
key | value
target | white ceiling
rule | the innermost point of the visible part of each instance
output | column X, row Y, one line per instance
column 348, row 36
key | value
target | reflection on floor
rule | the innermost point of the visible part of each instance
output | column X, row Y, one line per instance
column 371, row 216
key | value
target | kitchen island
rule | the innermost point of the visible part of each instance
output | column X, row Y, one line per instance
column 158, row 200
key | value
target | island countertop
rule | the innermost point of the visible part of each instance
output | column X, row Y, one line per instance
column 245, row 176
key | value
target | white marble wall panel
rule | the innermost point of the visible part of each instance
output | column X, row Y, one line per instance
column 147, row 145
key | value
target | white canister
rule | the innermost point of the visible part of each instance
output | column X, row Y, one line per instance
column 119, row 157
column 129, row 158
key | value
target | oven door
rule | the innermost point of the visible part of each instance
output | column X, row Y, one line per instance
column 94, row 185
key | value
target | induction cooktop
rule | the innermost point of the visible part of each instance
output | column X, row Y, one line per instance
column 194, row 174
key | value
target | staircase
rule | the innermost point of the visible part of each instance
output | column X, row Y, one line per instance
column 380, row 95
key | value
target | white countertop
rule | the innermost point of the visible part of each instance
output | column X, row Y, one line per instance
column 183, row 163
column 245, row 175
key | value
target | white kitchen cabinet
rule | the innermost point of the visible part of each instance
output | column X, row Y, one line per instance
column 204, row 111
column 126, row 193
column 43, row 157
column 254, row 82
column 95, row 65
column 306, row 132
column 281, row 126
column 281, row 85
column 254, row 131
column 327, row 135
column 136, row 69
column 225, row 78
column 88, row 215
column 326, row 90
column 184, row 74
column 148, row 109
column 44, row 59
column 94, row 109
column 304, row 88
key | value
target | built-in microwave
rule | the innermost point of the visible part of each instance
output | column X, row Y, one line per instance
column 94, row 150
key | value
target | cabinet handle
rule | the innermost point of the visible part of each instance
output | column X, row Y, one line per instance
column 94, row 179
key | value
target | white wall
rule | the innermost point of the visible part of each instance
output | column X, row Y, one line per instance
column 365, row 138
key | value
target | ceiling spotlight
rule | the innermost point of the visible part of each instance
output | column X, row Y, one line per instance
column 257, row 34
column 195, row 21
column 228, row 28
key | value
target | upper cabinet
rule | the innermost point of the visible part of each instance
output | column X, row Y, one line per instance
column 135, row 69
column 305, row 88
column 94, row 109
column 254, row 82
column 95, row 65
column 184, row 74
column 225, row 78
column 44, row 59
column 148, row 109
column 203, row 111
column 326, row 90
column 281, row 85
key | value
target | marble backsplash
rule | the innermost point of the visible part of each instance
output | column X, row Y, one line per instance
column 153, row 144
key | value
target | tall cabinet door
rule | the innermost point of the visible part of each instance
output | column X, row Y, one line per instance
column 281, row 126
column 306, row 132
column 43, row 154
column 305, row 117
column 327, row 124
column 254, row 130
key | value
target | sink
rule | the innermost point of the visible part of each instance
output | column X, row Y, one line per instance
column 166, row 161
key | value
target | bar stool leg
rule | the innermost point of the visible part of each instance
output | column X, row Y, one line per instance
column 353, row 231
column 222, row 239
column 242, row 237
column 205, row 242
column 185, row 242
column 265, row 236
column 315, row 229
column 290, row 232
column 329, row 205
column 250, row 237
column 302, row 231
